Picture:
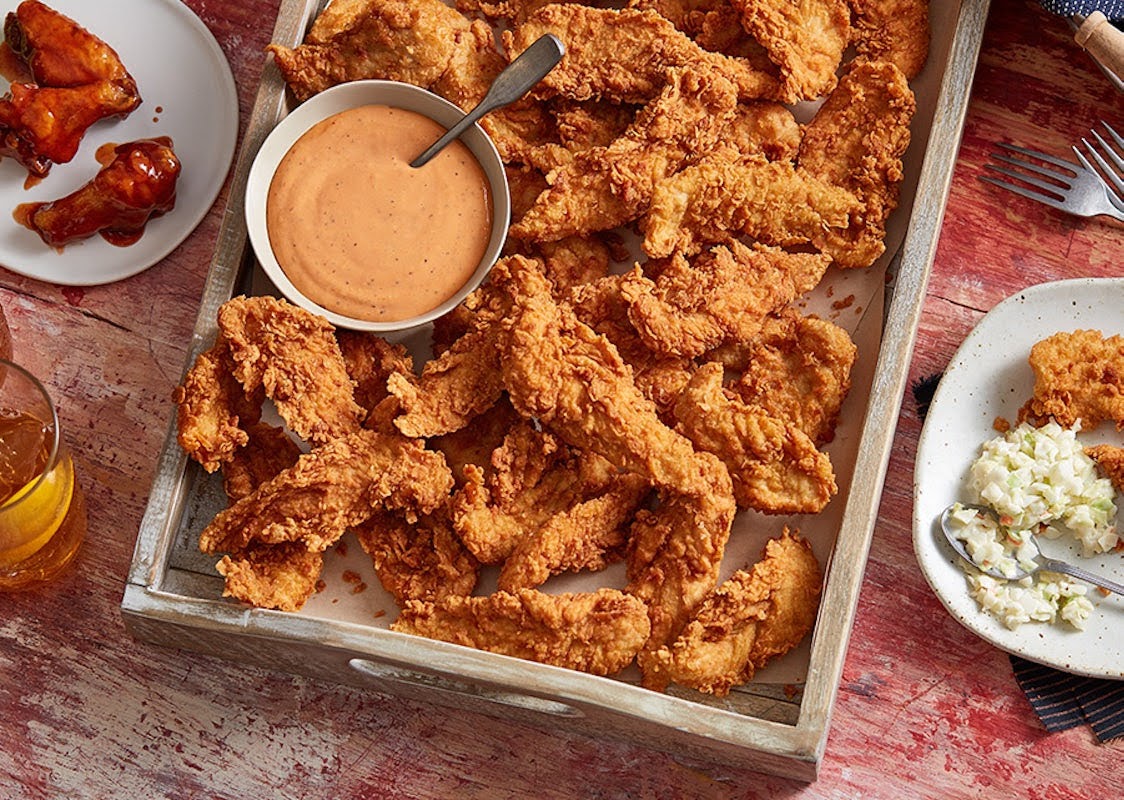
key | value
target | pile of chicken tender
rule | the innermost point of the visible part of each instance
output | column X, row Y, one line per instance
column 586, row 406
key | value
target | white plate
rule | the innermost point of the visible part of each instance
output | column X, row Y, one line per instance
column 188, row 94
column 990, row 377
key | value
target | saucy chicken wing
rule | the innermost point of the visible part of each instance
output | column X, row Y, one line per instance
column 78, row 80
column 137, row 184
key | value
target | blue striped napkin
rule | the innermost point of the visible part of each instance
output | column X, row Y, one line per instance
column 1113, row 9
column 1064, row 701
column 1060, row 700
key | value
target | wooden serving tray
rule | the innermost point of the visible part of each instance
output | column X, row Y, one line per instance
column 777, row 723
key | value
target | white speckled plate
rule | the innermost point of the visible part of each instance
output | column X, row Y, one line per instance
column 188, row 94
column 990, row 377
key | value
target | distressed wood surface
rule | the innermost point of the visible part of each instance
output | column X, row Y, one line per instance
column 925, row 709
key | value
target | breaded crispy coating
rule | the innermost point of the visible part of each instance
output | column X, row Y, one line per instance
column 855, row 142
column 412, row 41
column 464, row 380
column 214, row 410
column 561, row 372
column 475, row 442
column 294, row 356
column 675, row 554
column 427, row 43
column 588, row 536
column 1078, row 377
column 370, row 360
column 461, row 383
column 799, row 370
column 596, row 632
column 606, row 187
column 281, row 576
column 534, row 477
column 755, row 615
column 643, row 47
column 268, row 451
column 892, row 30
column 1111, row 461
column 420, row 560
column 723, row 294
column 336, row 486
column 727, row 194
column 775, row 467
column 804, row 38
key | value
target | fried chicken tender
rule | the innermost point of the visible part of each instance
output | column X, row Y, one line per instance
column 475, row 442
column 1078, row 377
column 534, row 477
column 727, row 194
column 214, row 410
column 596, row 632
column 420, row 560
column 336, row 486
column 764, row 127
column 713, row 25
column 659, row 377
column 413, row 41
column 675, row 554
column 775, row 466
column 588, row 536
column 892, row 30
column 605, row 187
column 294, row 356
column 799, row 370
column 724, row 294
column 465, row 379
column 1111, row 461
column 643, row 47
column 370, row 360
column 560, row 372
column 458, row 385
column 856, row 141
column 804, row 38
column 281, row 575
column 754, row 616
column 268, row 451
column 424, row 42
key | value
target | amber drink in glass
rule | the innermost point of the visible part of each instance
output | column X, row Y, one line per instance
column 42, row 510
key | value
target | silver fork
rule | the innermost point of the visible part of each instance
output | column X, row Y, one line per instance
column 1110, row 168
column 1070, row 187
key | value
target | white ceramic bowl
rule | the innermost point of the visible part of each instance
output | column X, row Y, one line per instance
column 341, row 98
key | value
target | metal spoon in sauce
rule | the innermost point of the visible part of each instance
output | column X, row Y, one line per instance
column 1041, row 561
column 516, row 80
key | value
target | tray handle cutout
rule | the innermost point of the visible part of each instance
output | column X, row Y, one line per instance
column 377, row 674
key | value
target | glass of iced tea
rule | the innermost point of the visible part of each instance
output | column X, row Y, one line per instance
column 42, row 510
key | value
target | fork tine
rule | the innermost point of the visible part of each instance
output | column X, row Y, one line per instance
column 1115, row 136
column 1068, row 166
column 1107, row 172
column 1037, row 169
column 1117, row 161
column 1024, row 192
column 1052, row 188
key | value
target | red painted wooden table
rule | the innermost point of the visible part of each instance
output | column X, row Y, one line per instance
column 925, row 708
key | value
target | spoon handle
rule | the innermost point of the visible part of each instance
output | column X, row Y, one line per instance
column 1077, row 572
column 516, row 80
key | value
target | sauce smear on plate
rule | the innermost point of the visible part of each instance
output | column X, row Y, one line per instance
column 362, row 233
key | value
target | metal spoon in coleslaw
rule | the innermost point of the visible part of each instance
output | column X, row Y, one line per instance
column 1027, row 558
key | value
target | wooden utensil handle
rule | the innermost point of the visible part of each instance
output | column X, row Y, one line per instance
column 1103, row 41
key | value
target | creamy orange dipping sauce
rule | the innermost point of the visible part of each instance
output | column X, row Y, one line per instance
column 361, row 232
